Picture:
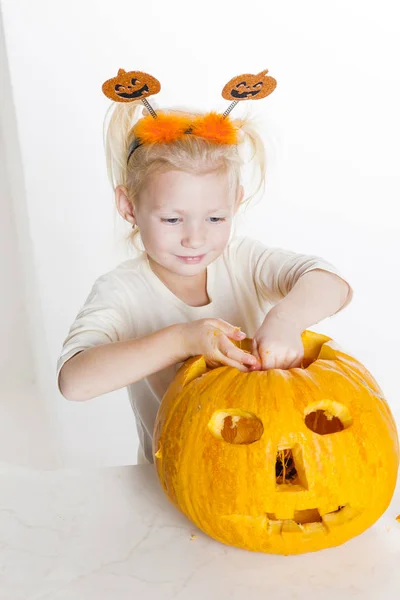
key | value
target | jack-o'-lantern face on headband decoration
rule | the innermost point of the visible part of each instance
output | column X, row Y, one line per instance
column 249, row 87
column 129, row 86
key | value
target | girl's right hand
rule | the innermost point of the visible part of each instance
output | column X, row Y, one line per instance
column 210, row 338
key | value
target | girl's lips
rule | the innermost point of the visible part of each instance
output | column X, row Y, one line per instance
column 192, row 259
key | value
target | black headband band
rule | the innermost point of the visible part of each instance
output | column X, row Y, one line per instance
column 136, row 143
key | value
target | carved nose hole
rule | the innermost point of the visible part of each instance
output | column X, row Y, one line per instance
column 285, row 469
column 290, row 475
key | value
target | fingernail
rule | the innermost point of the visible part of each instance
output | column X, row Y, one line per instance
column 241, row 334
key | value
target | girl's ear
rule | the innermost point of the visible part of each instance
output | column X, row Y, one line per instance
column 123, row 204
column 239, row 197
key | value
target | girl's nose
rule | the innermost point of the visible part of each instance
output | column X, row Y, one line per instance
column 193, row 238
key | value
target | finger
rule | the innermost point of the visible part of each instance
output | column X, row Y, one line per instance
column 268, row 359
column 228, row 329
column 257, row 364
column 289, row 360
column 235, row 353
column 254, row 348
column 296, row 362
column 239, row 357
column 237, row 334
column 256, row 353
column 286, row 359
column 229, row 362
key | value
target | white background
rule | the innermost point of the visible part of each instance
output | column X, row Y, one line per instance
column 331, row 130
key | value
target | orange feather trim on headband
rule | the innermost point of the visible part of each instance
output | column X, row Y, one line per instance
column 168, row 127
column 216, row 128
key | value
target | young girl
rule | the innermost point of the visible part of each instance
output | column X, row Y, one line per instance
column 195, row 285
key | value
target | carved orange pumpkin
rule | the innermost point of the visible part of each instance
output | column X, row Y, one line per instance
column 278, row 461
column 249, row 87
column 130, row 86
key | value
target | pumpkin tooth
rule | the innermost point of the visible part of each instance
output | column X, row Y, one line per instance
column 343, row 514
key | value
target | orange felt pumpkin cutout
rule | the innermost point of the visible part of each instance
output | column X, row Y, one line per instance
column 278, row 461
column 249, row 87
column 129, row 86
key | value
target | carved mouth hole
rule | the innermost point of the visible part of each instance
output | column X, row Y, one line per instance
column 302, row 517
column 312, row 515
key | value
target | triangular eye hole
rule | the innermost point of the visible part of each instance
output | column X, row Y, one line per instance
column 236, row 426
column 326, row 417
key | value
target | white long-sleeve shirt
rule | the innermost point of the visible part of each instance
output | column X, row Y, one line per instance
column 130, row 301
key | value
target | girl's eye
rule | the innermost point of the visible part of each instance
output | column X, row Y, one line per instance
column 169, row 220
column 174, row 220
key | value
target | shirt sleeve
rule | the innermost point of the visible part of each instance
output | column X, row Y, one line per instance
column 101, row 320
column 276, row 271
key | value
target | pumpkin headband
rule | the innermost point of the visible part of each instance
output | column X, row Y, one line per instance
column 162, row 127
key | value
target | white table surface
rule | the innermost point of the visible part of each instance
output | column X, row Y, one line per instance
column 112, row 534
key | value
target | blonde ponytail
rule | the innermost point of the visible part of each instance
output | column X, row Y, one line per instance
column 116, row 135
column 252, row 150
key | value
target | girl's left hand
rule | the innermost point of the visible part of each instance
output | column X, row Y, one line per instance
column 277, row 344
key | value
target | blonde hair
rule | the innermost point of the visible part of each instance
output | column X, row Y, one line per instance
column 191, row 154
